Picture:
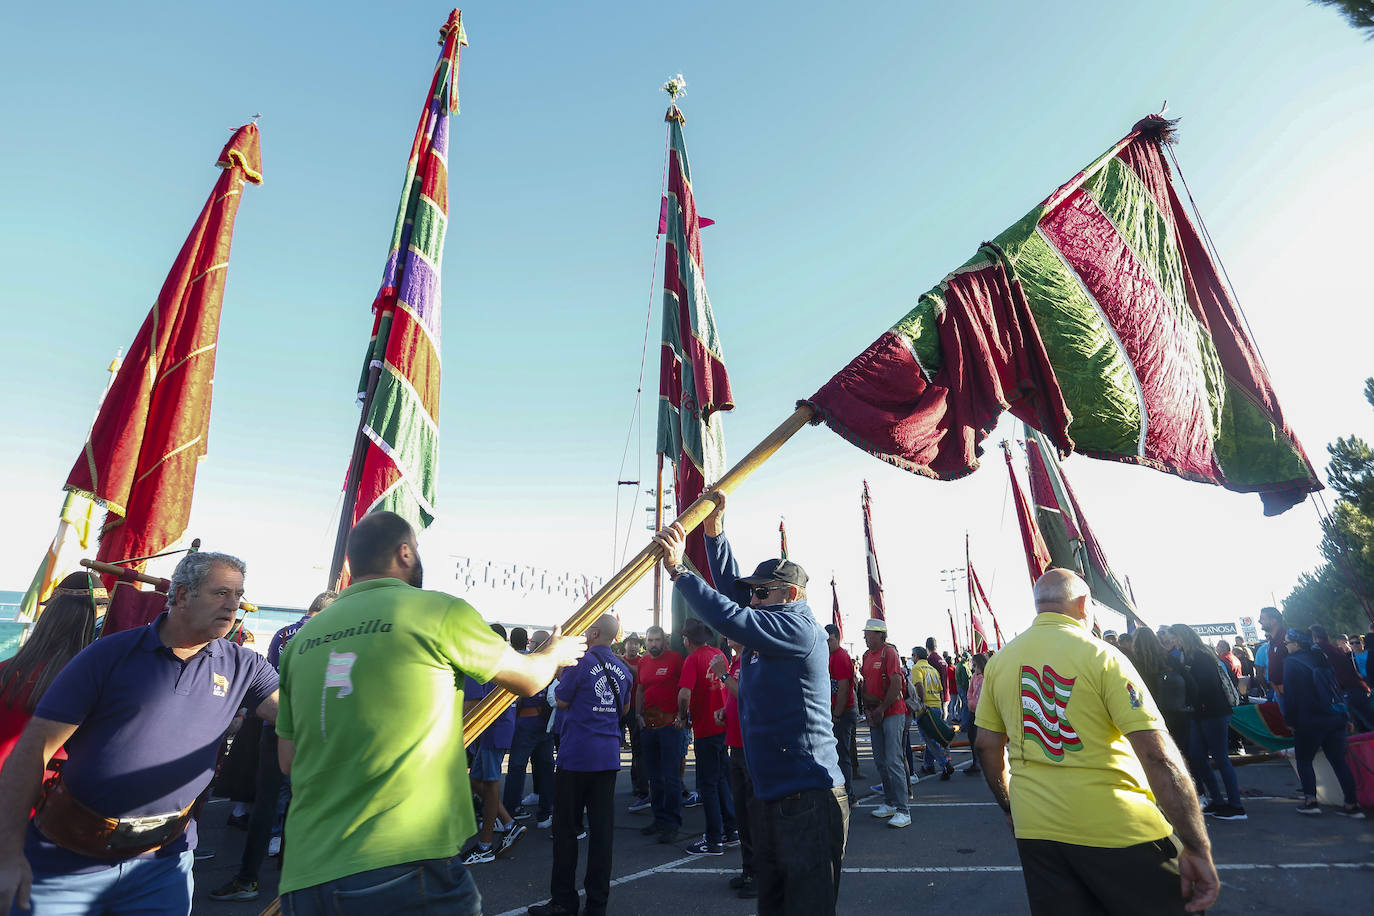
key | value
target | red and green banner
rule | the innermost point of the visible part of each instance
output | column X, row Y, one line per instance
column 1068, row 536
column 782, row 538
column 148, row 439
column 1101, row 320
column 693, row 385
column 876, row 607
column 399, row 388
column 1037, row 554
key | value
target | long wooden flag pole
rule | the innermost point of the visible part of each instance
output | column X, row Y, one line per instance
column 489, row 709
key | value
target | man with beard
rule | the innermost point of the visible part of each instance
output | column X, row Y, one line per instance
column 371, row 733
column 660, row 738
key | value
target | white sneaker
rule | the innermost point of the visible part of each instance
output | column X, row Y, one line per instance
column 529, row 801
column 900, row 819
column 913, row 779
column 886, row 811
column 274, row 847
column 546, row 823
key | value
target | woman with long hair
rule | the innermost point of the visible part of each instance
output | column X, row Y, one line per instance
column 66, row 626
column 1168, row 681
column 1211, row 724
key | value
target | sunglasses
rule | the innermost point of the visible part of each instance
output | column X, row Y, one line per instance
column 763, row 591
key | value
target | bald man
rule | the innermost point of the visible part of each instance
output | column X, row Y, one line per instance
column 591, row 696
column 1093, row 768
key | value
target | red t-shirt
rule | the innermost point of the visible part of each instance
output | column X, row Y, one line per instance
column 876, row 664
column 659, row 677
column 733, row 737
column 841, row 669
column 708, row 693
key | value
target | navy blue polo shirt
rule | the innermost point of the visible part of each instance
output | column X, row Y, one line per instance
column 149, row 728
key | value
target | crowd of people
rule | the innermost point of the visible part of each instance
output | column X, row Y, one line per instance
column 1106, row 754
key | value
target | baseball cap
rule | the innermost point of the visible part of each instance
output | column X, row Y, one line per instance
column 776, row 571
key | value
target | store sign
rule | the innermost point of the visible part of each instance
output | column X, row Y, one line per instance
column 1214, row 629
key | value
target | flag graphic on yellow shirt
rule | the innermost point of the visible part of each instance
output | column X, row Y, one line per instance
column 1044, row 697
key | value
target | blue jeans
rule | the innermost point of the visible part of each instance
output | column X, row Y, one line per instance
column 662, row 763
column 716, row 802
column 532, row 745
column 1208, row 739
column 1331, row 742
column 428, row 886
column 142, row 886
column 888, row 757
column 936, row 751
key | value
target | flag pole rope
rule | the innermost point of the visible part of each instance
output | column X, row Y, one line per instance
column 638, row 412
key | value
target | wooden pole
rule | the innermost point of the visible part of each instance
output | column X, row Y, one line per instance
column 489, row 709
column 133, row 575
column 658, row 526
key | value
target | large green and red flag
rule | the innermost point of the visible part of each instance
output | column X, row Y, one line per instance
column 396, row 455
column 877, row 608
column 1099, row 319
column 693, row 387
column 141, row 455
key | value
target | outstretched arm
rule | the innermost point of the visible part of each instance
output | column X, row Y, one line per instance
column 1173, row 790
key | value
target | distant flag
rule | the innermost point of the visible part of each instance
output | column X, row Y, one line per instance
column 140, row 459
column 835, row 617
column 396, row 453
column 1037, row 554
column 782, row 538
column 1069, row 537
column 953, row 631
column 876, row 607
column 998, row 630
column 693, row 385
column 977, row 604
column 1100, row 319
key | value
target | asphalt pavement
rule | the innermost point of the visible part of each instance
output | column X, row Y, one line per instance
column 957, row 857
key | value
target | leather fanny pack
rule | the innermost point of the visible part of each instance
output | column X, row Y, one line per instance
column 73, row 826
column 657, row 718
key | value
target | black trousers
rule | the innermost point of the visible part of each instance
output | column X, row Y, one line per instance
column 799, row 851
column 1067, row 880
column 575, row 792
column 264, row 816
column 742, row 788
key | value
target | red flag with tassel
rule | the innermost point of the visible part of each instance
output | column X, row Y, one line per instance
column 140, row 458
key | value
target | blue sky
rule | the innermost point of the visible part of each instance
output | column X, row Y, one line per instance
column 850, row 156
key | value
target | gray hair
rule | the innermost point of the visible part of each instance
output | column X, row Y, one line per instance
column 194, row 567
column 1060, row 589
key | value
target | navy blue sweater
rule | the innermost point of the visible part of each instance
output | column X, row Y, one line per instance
column 784, row 685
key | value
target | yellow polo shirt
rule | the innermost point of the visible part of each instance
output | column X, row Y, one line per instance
column 1066, row 701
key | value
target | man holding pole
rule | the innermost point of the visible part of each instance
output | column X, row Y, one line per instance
column 371, row 732
column 785, row 721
